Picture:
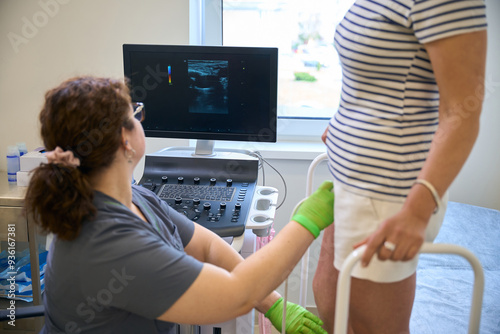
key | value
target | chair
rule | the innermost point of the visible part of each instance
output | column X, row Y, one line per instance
column 23, row 312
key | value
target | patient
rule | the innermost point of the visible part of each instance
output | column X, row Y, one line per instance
column 122, row 260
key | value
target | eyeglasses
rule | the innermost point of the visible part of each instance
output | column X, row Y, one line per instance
column 139, row 111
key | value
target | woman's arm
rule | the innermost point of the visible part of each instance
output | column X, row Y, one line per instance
column 208, row 247
column 459, row 68
column 219, row 294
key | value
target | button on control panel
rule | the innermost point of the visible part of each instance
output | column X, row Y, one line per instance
column 220, row 205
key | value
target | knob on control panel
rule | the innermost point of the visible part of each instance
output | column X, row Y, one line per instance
column 217, row 203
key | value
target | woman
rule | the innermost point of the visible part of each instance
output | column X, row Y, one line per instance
column 413, row 85
column 122, row 261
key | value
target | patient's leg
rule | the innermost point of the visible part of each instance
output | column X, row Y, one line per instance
column 374, row 307
column 325, row 281
column 381, row 307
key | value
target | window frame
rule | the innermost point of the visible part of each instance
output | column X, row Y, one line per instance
column 205, row 28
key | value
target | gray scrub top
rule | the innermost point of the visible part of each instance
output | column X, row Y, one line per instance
column 120, row 273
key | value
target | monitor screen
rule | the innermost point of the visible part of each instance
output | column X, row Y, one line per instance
column 205, row 92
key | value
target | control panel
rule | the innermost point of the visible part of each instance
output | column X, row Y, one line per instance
column 214, row 192
column 220, row 206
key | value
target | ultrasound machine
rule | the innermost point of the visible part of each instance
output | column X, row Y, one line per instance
column 209, row 93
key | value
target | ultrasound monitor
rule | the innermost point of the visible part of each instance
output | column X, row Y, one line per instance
column 208, row 93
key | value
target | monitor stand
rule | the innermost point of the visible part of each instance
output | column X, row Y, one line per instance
column 204, row 148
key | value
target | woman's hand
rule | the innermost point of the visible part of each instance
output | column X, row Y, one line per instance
column 398, row 238
column 316, row 212
column 323, row 136
column 298, row 319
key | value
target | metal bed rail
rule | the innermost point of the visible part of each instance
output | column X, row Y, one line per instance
column 344, row 283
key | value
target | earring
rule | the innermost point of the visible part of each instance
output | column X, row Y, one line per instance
column 129, row 154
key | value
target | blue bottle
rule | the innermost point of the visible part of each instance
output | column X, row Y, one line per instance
column 22, row 149
column 13, row 164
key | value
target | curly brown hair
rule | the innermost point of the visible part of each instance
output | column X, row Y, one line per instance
column 84, row 115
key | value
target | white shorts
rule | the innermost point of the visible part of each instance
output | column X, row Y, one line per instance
column 356, row 217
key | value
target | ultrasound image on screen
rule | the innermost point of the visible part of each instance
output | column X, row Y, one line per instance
column 198, row 92
column 208, row 86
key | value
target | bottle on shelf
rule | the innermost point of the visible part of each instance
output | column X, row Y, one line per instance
column 13, row 164
column 22, row 149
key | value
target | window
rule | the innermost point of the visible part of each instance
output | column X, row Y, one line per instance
column 310, row 76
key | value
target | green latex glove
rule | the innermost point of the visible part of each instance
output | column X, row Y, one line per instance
column 298, row 319
column 316, row 212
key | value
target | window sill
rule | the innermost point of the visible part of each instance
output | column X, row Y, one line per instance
column 283, row 150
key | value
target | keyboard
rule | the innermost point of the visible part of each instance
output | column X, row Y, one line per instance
column 207, row 193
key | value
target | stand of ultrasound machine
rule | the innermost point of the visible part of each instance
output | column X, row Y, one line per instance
column 239, row 212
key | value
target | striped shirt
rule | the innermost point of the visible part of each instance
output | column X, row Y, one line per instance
column 379, row 138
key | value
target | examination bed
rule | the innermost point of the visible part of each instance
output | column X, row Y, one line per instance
column 458, row 281
column 444, row 282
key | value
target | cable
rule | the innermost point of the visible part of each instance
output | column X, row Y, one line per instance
column 261, row 165
column 262, row 160
column 284, row 183
column 285, row 298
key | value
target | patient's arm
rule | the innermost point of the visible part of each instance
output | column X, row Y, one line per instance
column 459, row 68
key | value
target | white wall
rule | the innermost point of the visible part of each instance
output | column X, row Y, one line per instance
column 85, row 37
column 43, row 42
column 479, row 181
